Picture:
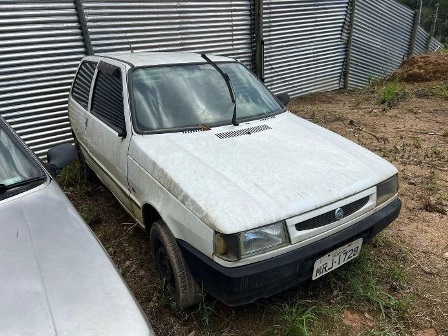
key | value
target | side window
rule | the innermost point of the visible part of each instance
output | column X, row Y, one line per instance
column 83, row 80
column 107, row 102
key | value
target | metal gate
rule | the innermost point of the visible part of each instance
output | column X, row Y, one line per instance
column 41, row 45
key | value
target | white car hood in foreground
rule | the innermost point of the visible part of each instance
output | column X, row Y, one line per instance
column 242, row 182
column 55, row 279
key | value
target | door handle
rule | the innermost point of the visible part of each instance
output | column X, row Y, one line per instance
column 86, row 122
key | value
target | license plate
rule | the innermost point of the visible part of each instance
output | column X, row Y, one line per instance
column 336, row 258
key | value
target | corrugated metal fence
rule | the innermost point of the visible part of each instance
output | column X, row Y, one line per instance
column 219, row 27
column 305, row 46
column 41, row 46
column 381, row 39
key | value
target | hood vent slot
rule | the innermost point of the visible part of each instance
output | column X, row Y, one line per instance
column 267, row 118
column 195, row 131
column 246, row 131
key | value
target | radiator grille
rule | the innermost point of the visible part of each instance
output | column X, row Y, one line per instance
column 329, row 217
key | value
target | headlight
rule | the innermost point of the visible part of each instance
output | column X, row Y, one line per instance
column 386, row 190
column 244, row 244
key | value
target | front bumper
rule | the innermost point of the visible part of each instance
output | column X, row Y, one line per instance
column 245, row 284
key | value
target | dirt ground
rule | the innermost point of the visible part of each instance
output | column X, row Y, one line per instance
column 424, row 68
column 412, row 133
column 414, row 136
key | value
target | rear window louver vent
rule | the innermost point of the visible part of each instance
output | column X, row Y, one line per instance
column 246, row 131
column 329, row 217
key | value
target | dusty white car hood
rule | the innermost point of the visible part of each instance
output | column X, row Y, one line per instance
column 55, row 279
column 242, row 182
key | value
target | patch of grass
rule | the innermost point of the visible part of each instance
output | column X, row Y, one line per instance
column 437, row 153
column 439, row 90
column 362, row 285
column 372, row 80
column 295, row 317
column 70, row 176
column 90, row 214
column 212, row 322
column 373, row 284
column 432, row 200
column 397, row 277
column 391, row 94
column 417, row 143
column 71, row 180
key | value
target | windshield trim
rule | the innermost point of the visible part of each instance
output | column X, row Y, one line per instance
column 25, row 151
column 189, row 128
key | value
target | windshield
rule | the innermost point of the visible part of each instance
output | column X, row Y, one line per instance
column 15, row 166
column 182, row 96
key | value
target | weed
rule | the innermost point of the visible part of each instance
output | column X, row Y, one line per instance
column 372, row 80
column 413, row 110
column 417, row 143
column 362, row 284
column 440, row 90
column 391, row 94
column 90, row 214
column 432, row 201
column 211, row 321
column 437, row 152
column 70, row 176
column 296, row 318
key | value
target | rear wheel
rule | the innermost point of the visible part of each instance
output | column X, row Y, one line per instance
column 177, row 279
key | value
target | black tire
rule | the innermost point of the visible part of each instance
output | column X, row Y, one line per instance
column 176, row 277
column 86, row 171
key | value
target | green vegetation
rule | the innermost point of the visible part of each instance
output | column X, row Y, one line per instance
column 433, row 199
column 391, row 94
column 296, row 318
column 441, row 32
column 417, row 143
column 71, row 178
column 440, row 90
column 373, row 289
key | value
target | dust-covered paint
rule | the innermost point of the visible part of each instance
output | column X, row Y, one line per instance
column 243, row 182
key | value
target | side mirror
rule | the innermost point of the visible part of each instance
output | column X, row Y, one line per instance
column 59, row 157
column 283, row 97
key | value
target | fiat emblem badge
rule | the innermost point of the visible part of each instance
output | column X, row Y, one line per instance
column 339, row 214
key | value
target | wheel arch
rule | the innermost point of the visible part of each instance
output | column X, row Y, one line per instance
column 150, row 215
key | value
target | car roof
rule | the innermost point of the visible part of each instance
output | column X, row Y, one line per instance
column 162, row 58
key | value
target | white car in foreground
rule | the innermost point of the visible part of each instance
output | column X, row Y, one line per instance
column 239, row 195
column 55, row 277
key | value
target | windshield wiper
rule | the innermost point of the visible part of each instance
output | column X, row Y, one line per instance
column 4, row 188
column 229, row 85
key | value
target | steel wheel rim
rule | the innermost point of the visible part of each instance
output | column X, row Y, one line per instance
column 165, row 269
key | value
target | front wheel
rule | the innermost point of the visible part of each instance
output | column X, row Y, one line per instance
column 176, row 277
